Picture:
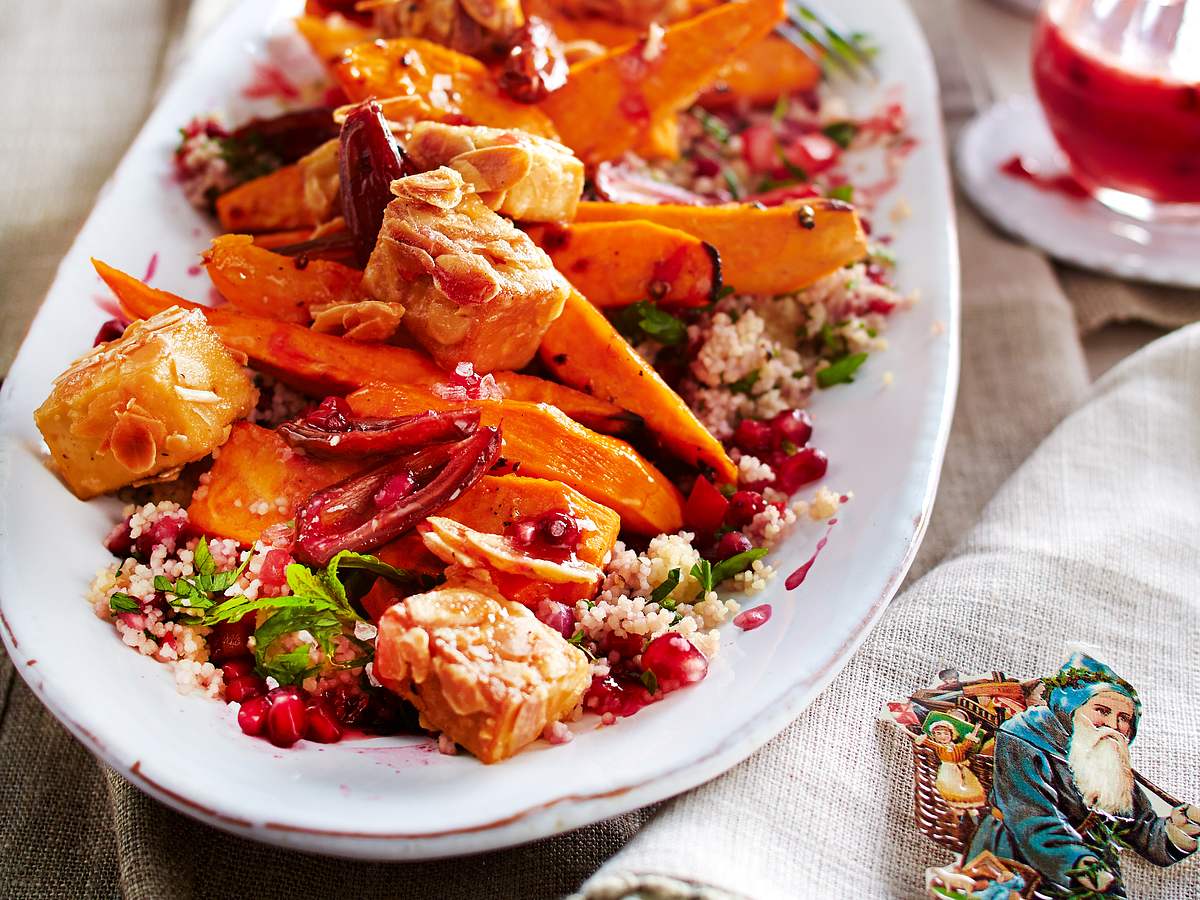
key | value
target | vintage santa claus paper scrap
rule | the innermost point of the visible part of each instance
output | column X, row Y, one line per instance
column 1031, row 784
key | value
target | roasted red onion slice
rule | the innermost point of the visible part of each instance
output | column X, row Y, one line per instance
column 291, row 135
column 341, row 436
column 367, row 510
column 369, row 160
column 618, row 183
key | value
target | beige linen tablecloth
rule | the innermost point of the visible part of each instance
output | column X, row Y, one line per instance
column 1067, row 511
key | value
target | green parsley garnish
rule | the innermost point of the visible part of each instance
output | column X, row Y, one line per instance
column 663, row 591
column 794, row 170
column 745, row 383
column 731, row 182
column 702, row 572
column 650, row 681
column 644, row 319
column 782, row 105
column 844, row 192
column 120, row 603
column 740, row 562
column 712, row 126
column 841, row 133
column 841, row 371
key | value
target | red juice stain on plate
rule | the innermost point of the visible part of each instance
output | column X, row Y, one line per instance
column 797, row 578
column 270, row 81
column 1061, row 183
column 193, row 270
column 151, row 268
column 752, row 618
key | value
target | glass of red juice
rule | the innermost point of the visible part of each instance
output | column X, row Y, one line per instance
column 1119, row 82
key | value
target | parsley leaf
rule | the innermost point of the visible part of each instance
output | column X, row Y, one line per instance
column 731, row 182
column 703, row 572
column 120, row 602
column 646, row 319
column 650, row 681
column 663, row 591
column 841, row 133
column 844, row 192
column 745, row 383
column 712, row 126
column 841, row 371
column 740, row 562
column 794, row 170
column 782, row 105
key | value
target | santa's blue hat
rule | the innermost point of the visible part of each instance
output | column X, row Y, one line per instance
column 1082, row 678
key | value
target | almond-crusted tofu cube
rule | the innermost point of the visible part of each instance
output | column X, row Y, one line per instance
column 144, row 405
column 523, row 176
column 479, row 668
column 474, row 286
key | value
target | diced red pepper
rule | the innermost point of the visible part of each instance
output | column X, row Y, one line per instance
column 705, row 509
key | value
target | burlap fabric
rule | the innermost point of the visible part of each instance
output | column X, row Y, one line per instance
column 1088, row 541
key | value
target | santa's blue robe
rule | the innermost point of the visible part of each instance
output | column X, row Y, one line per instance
column 1037, row 809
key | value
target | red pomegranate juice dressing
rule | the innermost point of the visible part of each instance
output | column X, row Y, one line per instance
column 1122, row 129
column 797, row 578
column 1062, row 183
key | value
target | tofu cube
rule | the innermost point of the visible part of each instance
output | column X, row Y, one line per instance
column 144, row 405
column 520, row 175
column 475, row 287
column 480, row 669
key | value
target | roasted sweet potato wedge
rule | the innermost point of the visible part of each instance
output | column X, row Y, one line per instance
column 322, row 364
column 763, row 251
column 258, row 481
column 761, row 73
column 610, row 102
column 330, row 38
column 618, row 263
column 449, row 84
column 584, row 349
column 262, row 283
column 274, row 202
column 547, row 444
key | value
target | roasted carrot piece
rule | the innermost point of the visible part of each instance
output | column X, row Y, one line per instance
column 762, row 72
column 408, row 67
column 330, row 39
column 273, row 240
column 258, row 481
column 636, row 92
column 323, row 364
column 548, row 444
column 259, row 282
column 583, row 349
column 273, row 202
column 763, row 251
column 618, row 263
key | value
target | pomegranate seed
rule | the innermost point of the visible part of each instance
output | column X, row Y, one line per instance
column 237, row 668
column 622, row 696
column 252, row 717
column 394, row 490
column 806, row 466
column 229, row 640
column 165, row 531
column 557, row 615
column 752, row 436
column 558, row 529
column 245, row 687
column 321, row 725
column 675, row 662
column 750, row 619
column 118, row 542
column 793, row 425
column 731, row 544
column 743, row 507
column 523, row 532
column 286, row 720
column 109, row 331
column 273, row 573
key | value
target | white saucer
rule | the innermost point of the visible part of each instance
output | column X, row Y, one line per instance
column 1082, row 232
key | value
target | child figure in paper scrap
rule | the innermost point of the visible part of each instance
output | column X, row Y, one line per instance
column 1064, row 797
column 954, row 740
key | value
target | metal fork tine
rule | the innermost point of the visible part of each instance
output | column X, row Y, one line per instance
column 826, row 56
column 797, row 39
column 833, row 39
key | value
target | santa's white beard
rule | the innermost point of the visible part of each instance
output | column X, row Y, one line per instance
column 1099, row 760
